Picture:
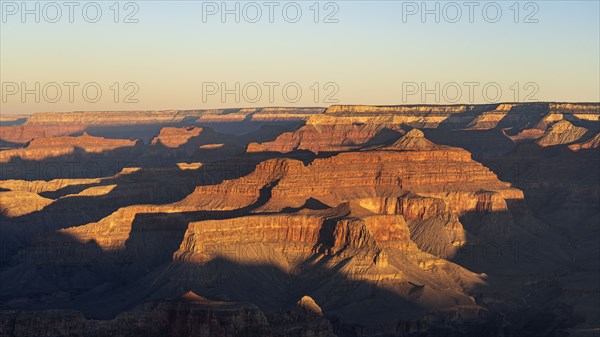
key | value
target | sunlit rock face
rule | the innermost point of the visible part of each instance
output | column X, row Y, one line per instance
column 19, row 135
column 51, row 147
column 325, row 134
column 562, row 132
column 462, row 220
column 176, row 137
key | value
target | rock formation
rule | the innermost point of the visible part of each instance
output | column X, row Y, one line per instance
column 19, row 135
column 562, row 132
column 421, row 220
column 174, row 137
column 322, row 134
column 592, row 143
column 13, row 204
column 47, row 147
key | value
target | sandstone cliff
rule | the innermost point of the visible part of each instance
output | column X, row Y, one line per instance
column 319, row 137
column 42, row 148
column 562, row 132
column 174, row 137
column 19, row 135
column 363, row 221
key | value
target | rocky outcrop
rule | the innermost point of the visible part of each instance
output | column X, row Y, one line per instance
column 397, row 180
column 414, row 140
column 562, row 108
column 17, row 203
column 19, row 135
column 303, row 235
column 306, row 320
column 191, row 143
column 474, row 117
column 349, row 243
column 318, row 136
column 40, row 186
column 85, row 141
column 583, row 111
column 385, row 172
column 405, row 109
column 592, row 143
column 89, row 118
column 175, row 137
column 42, row 148
column 384, row 227
column 13, row 118
column 560, row 133
column 381, row 172
column 113, row 118
column 274, row 114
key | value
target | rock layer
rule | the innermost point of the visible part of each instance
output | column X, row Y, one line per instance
column 363, row 221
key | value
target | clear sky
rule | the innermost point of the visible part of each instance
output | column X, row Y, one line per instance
column 183, row 54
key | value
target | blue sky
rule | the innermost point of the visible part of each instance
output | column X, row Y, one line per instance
column 371, row 55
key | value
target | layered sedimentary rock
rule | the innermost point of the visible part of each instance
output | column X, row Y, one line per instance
column 137, row 124
column 40, row 186
column 349, row 246
column 325, row 134
column 191, row 144
column 303, row 234
column 585, row 111
column 476, row 117
column 13, row 119
column 380, row 229
column 85, row 141
column 68, row 203
column 19, row 135
column 86, row 156
column 175, row 137
column 260, row 114
column 576, row 109
column 13, row 204
column 167, row 116
column 42, row 148
column 411, row 164
column 361, row 233
column 425, row 109
column 560, row 133
column 110, row 117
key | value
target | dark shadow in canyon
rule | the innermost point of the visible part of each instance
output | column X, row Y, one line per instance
column 543, row 173
column 113, row 281
column 14, row 122
column 81, row 164
column 146, row 251
column 142, row 265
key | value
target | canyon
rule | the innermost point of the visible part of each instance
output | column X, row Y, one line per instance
column 413, row 220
